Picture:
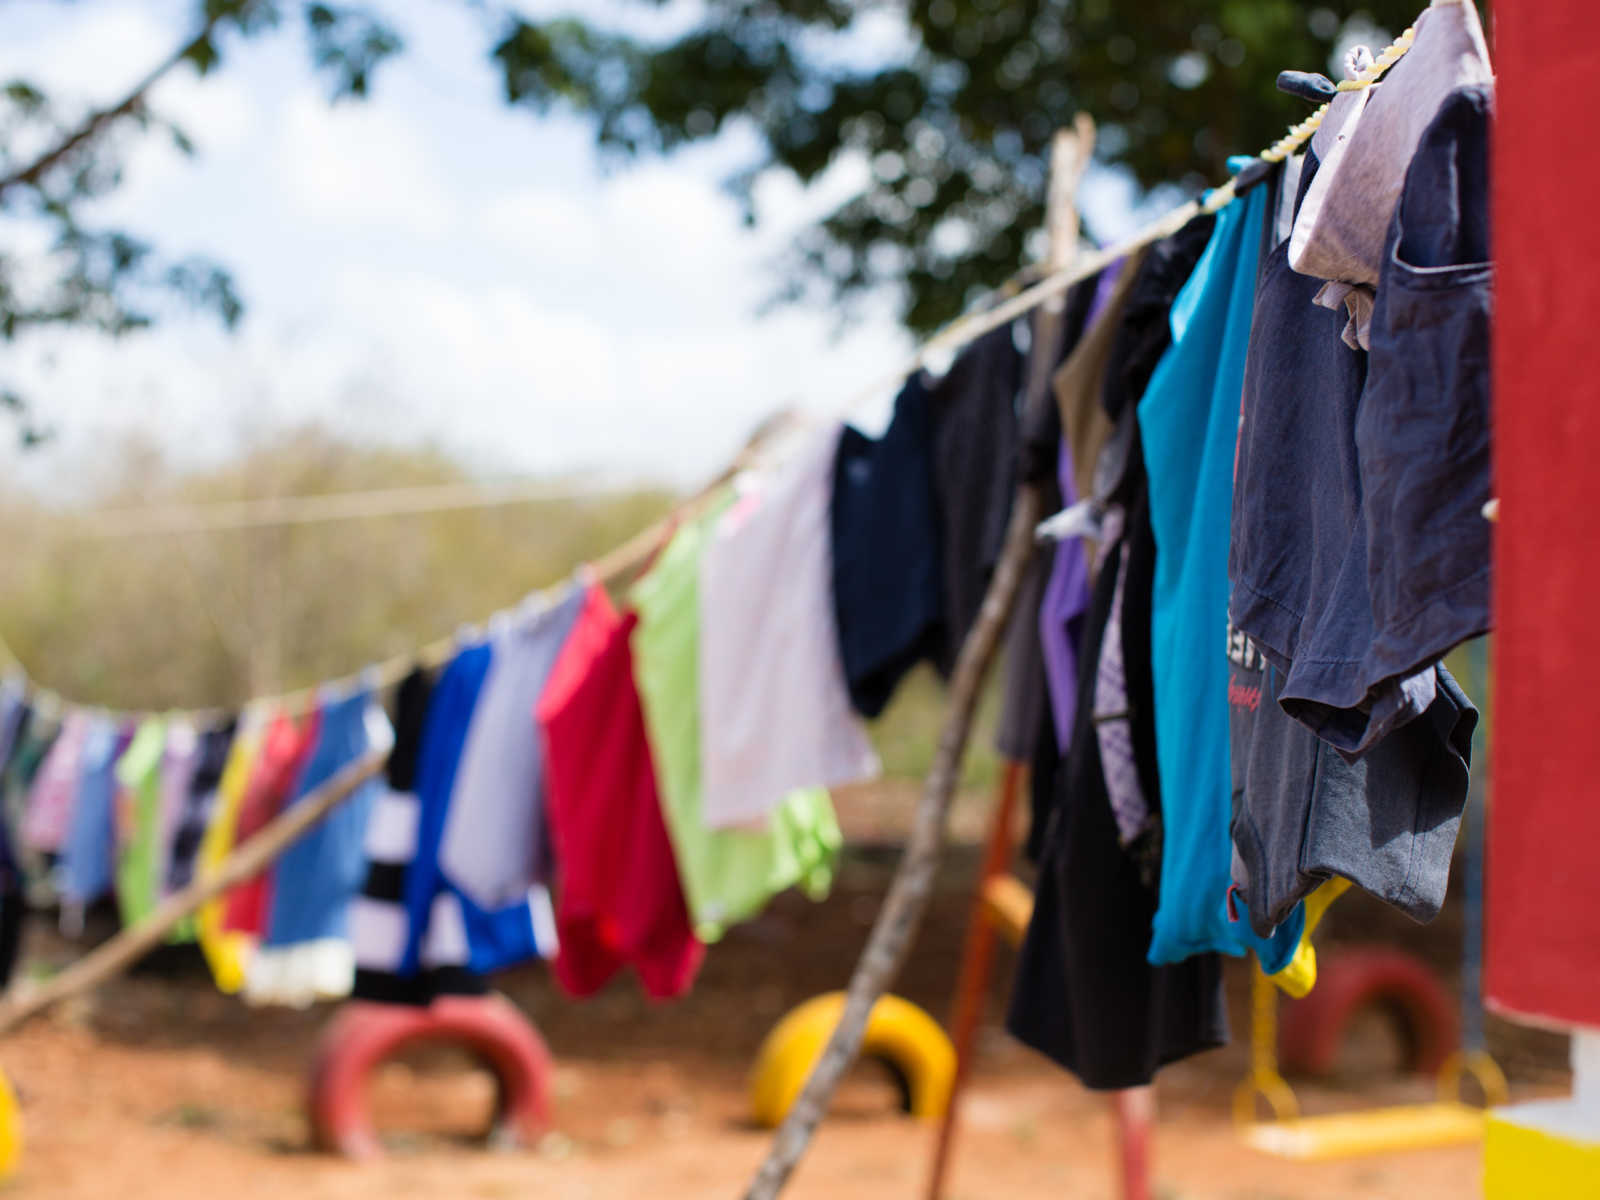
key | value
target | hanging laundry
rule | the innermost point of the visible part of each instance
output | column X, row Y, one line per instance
column 36, row 732
column 1077, row 388
column 199, row 802
column 1387, row 820
column 284, row 748
column 87, row 870
column 1189, row 420
column 775, row 714
column 227, row 953
column 55, row 786
column 379, row 923
column 305, row 954
column 620, row 901
column 1054, row 330
column 974, row 435
column 1077, row 382
column 141, row 854
column 1342, row 229
column 728, row 875
column 13, row 906
column 888, row 597
column 178, row 764
column 495, row 847
column 13, row 716
column 1143, row 335
column 1416, row 584
column 1085, row 994
column 1304, row 814
column 447, row 927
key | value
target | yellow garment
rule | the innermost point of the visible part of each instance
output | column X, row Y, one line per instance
column 227, row 952
column 1300, row 976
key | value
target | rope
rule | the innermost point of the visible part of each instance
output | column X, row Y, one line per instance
column 334, row 506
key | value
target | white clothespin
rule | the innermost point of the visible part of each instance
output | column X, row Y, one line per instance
column 1080, row 520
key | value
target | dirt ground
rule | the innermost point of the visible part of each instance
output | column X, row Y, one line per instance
column 158, row 1087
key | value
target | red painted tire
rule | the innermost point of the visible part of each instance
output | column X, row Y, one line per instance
column 363, row 1034
column 1313, row 1028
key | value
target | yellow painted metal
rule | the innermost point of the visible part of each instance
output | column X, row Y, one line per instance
column 1264, row 1081
column 1526, row 1162
column 10, row 1129
column 898, row 1032
column 1008, row 904
column 1376, row 1131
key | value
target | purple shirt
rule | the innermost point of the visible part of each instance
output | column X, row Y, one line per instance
column 1066, row 595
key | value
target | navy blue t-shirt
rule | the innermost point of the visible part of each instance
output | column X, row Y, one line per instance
column 887, row 584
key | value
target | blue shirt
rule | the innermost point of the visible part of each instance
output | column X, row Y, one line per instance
column 321, row 872
column 1189, row 421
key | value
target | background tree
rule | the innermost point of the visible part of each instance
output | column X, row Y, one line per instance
column 954, row 119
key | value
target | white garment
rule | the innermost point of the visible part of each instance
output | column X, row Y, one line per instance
column 1366, row 145
column 775, row 713
column 494, row 846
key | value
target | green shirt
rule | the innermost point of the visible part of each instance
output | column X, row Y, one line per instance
column 728, row 875
column 143, row 847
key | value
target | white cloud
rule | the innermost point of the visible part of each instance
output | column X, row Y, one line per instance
column 358, row 168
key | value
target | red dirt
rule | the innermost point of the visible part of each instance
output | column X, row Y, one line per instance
column 157, row 1087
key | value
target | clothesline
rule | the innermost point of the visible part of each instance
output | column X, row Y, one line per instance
column 953, row 337
column 262, row 512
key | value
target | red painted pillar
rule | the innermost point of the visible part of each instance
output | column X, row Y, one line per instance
column 1543, row 920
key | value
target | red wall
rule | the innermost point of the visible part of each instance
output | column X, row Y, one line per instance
column 1543, row 935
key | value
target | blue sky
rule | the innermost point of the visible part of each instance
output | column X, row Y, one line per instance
column 432, row 267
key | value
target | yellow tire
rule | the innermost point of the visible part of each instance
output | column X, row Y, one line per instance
column 899, row 1034
column 10, row 1129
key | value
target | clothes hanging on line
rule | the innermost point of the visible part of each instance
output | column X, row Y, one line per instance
column 379, row 925
column 728, row 874
column 974, row 436
column 49, row 805
column 140, row 855
column 305, row 951
column 284, row 748
column 1342, row 229
column 775, row 712
column 87, row 869
column 494, row 851
column 619, row 900
column 888, row 587
column 1053, row 331
column 227, row 952
column 1188, row 421
column 199, row 803
column 447, row 927
column 1389, row 459
column 1085, row 992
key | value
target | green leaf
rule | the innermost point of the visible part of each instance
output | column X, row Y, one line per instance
column 202, row 52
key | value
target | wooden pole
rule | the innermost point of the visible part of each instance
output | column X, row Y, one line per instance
column 1070, row 152
column 253, row 856
column 972, row 984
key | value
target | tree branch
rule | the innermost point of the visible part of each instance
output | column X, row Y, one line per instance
column 98, row 121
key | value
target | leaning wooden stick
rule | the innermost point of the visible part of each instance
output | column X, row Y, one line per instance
column 137, row 940
column 908, row 896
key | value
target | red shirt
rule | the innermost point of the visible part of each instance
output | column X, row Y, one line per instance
column 618, row 897
column 284, row 748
